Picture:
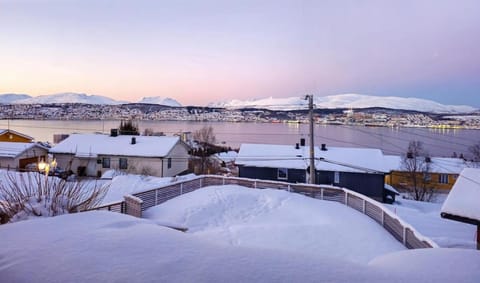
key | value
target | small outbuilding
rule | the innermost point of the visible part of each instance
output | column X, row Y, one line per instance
column 18, row 155
column 463, row 201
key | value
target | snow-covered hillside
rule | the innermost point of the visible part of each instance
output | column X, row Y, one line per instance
column 69, row 97
column 9, row 98
column 348, row 101
column 160, row 101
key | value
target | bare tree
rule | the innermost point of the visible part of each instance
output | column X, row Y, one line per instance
column 205, row 136
column 205, row 139
column 416, row 163
column 24, row 195
column 475, row 151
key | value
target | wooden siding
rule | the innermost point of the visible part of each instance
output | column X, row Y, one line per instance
column 399, row 179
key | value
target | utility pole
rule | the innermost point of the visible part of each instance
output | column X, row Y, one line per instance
column 312, row 146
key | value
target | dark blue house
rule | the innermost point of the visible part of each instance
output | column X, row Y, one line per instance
column 357, row 169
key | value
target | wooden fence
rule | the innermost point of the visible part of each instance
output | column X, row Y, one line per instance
column 402, row 231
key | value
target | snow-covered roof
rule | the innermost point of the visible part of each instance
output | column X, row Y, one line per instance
column 4, row 131
column 342, row 159
column 91, row 145
column 227, row 156
column 443, row 165
column 463, row 199
column 14, row 149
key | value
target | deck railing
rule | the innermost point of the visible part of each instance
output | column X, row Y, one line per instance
column 399, row 229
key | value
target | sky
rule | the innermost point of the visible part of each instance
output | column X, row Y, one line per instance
column 199, row 52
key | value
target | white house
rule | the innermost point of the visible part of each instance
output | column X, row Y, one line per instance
column 16, row 155
column 93, row 154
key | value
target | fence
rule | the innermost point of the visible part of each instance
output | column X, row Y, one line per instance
column 402, row 231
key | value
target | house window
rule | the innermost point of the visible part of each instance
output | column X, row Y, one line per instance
column 443, row 178
column 336, row 177
column 427, row 177
column 169, row 163
column 106, row 162
column 122, row 163
column 282, row 173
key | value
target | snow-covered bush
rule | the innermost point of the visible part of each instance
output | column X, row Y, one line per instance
column 30, row 194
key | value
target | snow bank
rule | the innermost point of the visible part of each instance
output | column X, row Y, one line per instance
column 104, row 246
column 425, row 218
column 276, row 220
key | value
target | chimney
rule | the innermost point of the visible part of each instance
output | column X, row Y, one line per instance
column 324, row 147
column 134, row 140
column 113, row 132
column 297, row 146
column 302, row 142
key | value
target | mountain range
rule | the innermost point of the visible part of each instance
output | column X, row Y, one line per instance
column 290, row 103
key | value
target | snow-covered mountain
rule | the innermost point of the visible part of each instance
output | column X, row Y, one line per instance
column 348, row 101
column 68, row 97
column 161, row 101
column 9, row 98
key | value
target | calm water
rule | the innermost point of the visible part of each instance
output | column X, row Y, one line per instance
column 391, row 141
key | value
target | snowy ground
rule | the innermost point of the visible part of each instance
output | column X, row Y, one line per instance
column 425, row 217
column 236, row 235
column 276, row 220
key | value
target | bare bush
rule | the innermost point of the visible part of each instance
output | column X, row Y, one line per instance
column 416, row 162
column 23, row 195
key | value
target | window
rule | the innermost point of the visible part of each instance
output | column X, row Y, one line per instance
column 336, row 177
column 122, row 163
column 169, row 163
column 106, row 162
column 427, row 177
column 282, row 173
column 443, row 178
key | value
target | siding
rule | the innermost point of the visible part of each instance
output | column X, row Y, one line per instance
column 294, row 175
column 371, row 185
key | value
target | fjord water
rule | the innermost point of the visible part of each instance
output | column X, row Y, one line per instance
column 390, row 140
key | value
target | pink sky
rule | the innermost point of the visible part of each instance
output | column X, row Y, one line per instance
column 203, row 51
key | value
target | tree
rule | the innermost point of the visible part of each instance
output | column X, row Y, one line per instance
column 31, row 194
column 416, row 162
column 205, row 138
column 475, row 151
column 128, row 127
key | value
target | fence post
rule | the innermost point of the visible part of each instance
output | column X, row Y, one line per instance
column 364, row 206
column 383, row 218
column 181, row 188
column 223, row 181
column 404, row 236
column 255, row 184
column 156, row 197
column 133, row 206
column 288, row 188
column 321, row 193
column 346, row 198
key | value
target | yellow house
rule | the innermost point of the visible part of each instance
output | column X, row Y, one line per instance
column 7, row 135
column 442, row 173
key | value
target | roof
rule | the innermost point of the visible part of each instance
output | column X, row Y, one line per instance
column 4, row 131
column 463, row 199
column 92, row 145
column 442, row 165
column 14, row 149
column 342, row 159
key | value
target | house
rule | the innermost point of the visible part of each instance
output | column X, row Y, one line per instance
column 7, row 135
column 442, row 172
column 17, row 155
column 94, row 154
column 357, row 169
column 462, row 203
